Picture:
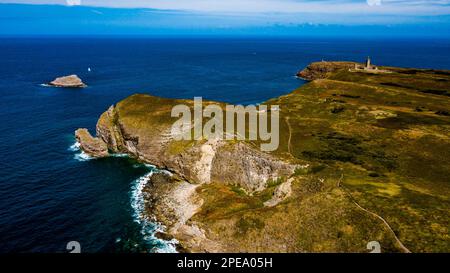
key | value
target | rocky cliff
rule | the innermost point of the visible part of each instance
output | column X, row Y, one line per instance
column 146, row 134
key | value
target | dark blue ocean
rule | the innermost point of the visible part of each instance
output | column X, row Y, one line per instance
column 50, row 194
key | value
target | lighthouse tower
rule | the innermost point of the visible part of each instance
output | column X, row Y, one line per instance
column 368, row 64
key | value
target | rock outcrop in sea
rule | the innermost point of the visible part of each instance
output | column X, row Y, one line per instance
column 92, row 146
column 72, row 81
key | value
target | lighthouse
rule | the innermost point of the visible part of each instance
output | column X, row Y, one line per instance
column 368, row 64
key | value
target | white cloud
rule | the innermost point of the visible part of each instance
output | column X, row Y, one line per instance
column 355, row 7
column 73, row 2
column 374, row 2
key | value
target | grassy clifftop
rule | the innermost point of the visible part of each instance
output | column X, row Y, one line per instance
column 388, row 135
column 378, row 147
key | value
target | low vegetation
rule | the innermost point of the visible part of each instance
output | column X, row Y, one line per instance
column 361, row 134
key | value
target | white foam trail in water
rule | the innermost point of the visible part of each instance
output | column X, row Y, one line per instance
column 82, row 156
column 148, row 226
column 119, row 155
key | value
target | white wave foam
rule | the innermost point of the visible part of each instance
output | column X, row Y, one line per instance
column 74, row 147
column 119, row 155
column 149, row 227
column 80, row 155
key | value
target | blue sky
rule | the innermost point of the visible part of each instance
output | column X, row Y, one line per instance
column 231, row 17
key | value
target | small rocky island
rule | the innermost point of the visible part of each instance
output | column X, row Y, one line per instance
column 362, row 157
column 71, row 81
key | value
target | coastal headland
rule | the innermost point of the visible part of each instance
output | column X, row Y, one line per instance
column 362, row 157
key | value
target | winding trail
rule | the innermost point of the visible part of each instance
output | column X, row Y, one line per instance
column 402, row 246
column 290, row 135
column 339, row 185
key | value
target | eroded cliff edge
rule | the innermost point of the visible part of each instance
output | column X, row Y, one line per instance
column 348, row 140
column 141, row 127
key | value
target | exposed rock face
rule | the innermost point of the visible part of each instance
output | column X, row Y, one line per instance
column 321, row 70
column 109, row 132
column 72, row 81
column 282, row 192
column 93, row 146
column 173, row 202
column 248, row 167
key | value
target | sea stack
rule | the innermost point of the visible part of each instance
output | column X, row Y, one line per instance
column 72, row 81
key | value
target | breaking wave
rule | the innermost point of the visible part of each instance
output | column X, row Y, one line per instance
column 119, row 155
column 149, row 227
column 79, row 155
column 75, row 147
